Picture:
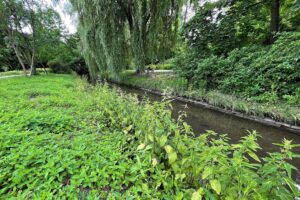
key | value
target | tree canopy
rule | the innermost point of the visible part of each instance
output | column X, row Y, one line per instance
column 114, row 32
column 31, row 34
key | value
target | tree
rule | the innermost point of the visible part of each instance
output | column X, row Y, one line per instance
column 32, row 6
column 108, row 27
column 12, row 14
column 34, row 32
column 275, row 15
column 248, row 22
column 18, row 15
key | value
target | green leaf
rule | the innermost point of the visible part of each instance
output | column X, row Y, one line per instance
column 254, row 156
column 163, row 140
column 172, row 157
column 198, row 194
column 141, row 146
column 169, row 149
column 126, row 130
column 181, row 148
column 151, row 137
column 154, row 162
column 216, row 186
column 207, row 171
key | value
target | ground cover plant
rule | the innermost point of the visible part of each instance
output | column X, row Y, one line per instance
column 61, row 138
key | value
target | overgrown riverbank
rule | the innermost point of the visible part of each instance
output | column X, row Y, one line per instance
column 171, row 84
column 63, row 138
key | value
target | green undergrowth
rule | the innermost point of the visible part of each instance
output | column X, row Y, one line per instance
column 166, row 65
column 279, row 110
column 61, row 138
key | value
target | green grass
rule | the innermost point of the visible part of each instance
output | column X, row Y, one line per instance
column 279, row 111
column 166, row 65
column 61, row 138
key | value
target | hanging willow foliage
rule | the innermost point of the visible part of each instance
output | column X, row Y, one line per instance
column 113, row 31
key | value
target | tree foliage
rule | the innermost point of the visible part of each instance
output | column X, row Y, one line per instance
column 33, row 35
column 113, row 32
column 222, row 26
column 263, row 73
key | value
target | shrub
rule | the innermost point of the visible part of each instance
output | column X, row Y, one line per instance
column 166, row 65
column 253, row 71
column 185, row 65
column 58, row 67
column 79, row 66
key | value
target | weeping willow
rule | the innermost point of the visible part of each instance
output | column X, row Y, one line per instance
column 114, row 31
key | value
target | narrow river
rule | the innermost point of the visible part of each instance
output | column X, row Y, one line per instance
column 202, row 119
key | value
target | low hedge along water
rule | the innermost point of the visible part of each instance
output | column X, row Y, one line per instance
column 61, row 138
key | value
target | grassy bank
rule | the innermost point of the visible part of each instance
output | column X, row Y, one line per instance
column 61, row 138
column 279, row 111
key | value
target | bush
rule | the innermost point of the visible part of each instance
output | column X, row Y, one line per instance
column 79, row 66
column 185, row 65
column 58, row 67
column 166, row 65
column 264, row 73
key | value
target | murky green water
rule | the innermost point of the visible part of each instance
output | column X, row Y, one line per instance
column 202, row 119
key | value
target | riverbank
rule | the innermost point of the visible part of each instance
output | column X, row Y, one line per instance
column 64, row 138
column 279, row 114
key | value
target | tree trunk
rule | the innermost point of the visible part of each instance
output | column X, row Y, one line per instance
column 138, row 35
column 275, row 19
column 20, row 60
column 139, row 54
column 32, row 64
column 186, row 12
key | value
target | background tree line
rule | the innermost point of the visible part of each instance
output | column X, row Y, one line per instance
column 33, row 35
column 250, row 49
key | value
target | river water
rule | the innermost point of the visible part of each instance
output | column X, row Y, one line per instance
column 202, row 119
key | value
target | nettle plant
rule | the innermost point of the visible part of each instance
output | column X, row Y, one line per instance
column 116, row 146
column 208, row 166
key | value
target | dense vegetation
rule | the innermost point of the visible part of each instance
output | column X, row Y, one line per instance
column 113, row 146
column 249, row 49
column 239, row 55
column 128, row 32
column 64, row 138
column 262, row 73
column 32, row 35
column 175, row 86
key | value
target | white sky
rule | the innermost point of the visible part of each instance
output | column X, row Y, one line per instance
column 70, row 21
column 62, row 8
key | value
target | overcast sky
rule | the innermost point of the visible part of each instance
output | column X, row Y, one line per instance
column 70, row 21
column 62, row 8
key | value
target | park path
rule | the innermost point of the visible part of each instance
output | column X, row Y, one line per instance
column 10, row 76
